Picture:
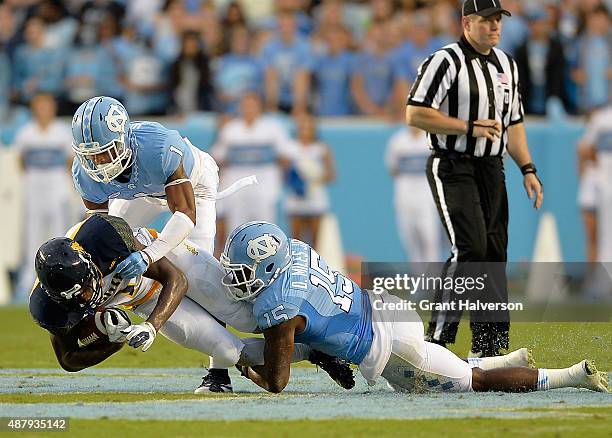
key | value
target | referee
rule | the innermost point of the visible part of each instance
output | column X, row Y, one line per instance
column 466, row 97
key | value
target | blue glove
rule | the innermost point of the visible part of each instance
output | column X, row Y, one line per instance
column 134, row 265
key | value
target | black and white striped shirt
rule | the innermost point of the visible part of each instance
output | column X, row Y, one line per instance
column 462, row 83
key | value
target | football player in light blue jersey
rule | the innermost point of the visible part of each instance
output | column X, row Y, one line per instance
column 143, row 169
column 298, row 298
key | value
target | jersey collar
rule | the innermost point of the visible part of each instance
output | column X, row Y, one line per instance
column 471, row 53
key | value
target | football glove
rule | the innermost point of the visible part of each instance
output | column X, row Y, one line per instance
column 134, row 265
column 142, row 334
column 116, row 320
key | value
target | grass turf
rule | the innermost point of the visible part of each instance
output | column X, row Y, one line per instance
column 584, row 424
column 559, row 344
column 26, row 345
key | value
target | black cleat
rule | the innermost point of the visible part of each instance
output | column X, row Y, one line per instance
column 217, row 380
column 338, row 369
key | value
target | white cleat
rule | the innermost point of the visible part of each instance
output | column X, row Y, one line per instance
column 593, row 379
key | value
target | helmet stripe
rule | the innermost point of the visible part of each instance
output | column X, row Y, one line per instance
column 87, row 119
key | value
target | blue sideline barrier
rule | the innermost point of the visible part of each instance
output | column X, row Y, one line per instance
column 362, row 194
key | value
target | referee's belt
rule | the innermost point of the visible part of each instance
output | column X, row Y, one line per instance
column 453, row 155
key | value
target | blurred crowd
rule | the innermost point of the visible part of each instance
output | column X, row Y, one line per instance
column 332, row 57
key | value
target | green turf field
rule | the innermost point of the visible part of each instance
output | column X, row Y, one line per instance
column 25, row 345
column 580, row 425
column 38, row 390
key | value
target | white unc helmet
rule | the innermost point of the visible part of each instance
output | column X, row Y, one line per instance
column 100, row 126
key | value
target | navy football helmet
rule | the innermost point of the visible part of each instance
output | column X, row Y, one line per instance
column 65, row 270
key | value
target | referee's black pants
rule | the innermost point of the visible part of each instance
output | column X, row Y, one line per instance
column 471, row 197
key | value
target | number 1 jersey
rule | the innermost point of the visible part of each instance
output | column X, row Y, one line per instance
column 337, row 311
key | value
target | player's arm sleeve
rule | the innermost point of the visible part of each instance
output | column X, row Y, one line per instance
column 271, row 312
column 516, row 110
column 435, row 77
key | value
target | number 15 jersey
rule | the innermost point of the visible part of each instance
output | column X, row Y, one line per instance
column 337, row 311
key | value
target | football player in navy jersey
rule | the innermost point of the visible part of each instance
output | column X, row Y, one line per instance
column 75, row 277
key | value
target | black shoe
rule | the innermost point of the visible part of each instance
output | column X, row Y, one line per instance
column 338, row 369
column 217, row 380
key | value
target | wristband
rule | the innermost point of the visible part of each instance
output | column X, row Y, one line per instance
column 470, row 129
column 528, row 168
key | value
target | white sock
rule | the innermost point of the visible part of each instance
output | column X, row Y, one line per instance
column 211, row 363
column 488, row 363
column 516, row 358
column 475, row 362
column 561, row 378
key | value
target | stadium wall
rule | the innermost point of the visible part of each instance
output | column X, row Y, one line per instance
column 362, row 196
column 363, row 192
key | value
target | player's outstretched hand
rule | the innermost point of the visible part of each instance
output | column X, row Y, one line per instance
column 142, row 334
column 534, row 186
column 134, row 265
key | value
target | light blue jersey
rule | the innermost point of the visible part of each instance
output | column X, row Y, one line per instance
column 157, row 152
column 337, row 311
column 332, row 74
column 287, row 60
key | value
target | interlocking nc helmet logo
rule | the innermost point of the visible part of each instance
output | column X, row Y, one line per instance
column 262, row 247
column 116, row 118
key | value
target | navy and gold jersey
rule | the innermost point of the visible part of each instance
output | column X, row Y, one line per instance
column 109, row 240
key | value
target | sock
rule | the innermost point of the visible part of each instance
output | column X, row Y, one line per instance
column 513, row 359
column 563, row 378
column 488, row 363
column 211, row 362
column 476, row 362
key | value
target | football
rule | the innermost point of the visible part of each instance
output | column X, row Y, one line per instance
column 92, row 330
